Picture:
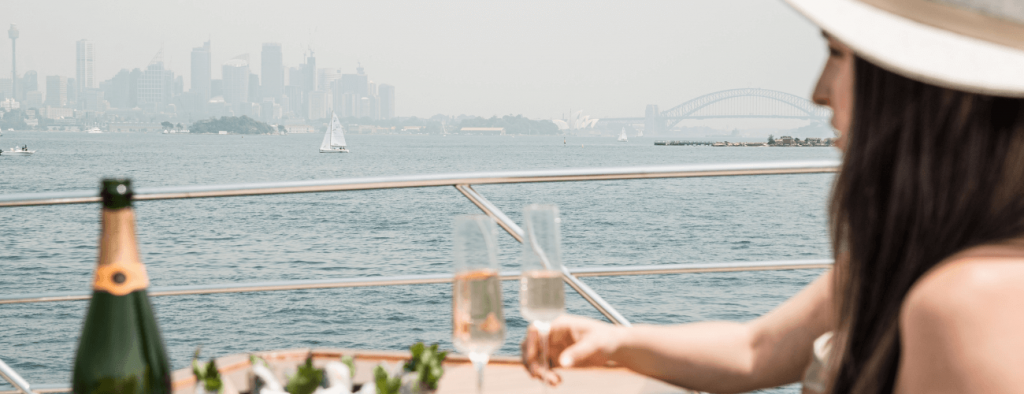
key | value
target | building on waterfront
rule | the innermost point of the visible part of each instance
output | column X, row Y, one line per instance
column 386, row 95
column 235, row 74
column 202, row 71
column 56, row 113
column 482, row 131
column 85, row 71
column 317, row 105
column 56, row 91
column 155, row 86
column 134, row 127
column 272, row 70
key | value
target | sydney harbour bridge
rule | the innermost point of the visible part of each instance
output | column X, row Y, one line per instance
column 733, row 103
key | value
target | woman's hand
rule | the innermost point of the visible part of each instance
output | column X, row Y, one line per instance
column 574, row 341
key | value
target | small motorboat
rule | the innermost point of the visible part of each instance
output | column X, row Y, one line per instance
column 18, row 151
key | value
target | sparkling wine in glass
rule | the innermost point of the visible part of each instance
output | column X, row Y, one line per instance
column 478, row 323
column 541, row 292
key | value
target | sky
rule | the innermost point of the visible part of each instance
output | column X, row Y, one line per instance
column 535, row 58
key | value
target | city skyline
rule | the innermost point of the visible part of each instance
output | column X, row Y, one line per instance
column 536, row 59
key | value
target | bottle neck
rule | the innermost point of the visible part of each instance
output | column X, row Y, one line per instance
column 119, row 270
column 117, row 237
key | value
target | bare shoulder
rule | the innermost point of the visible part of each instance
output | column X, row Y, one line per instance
column 985, row 275
column 960, row 324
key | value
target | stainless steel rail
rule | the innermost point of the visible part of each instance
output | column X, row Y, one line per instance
column 9, row 375
column 43, row 389
column 517, row 232
column 476, row 178
column 422, row 280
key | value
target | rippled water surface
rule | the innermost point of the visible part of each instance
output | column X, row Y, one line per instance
column 389, row 232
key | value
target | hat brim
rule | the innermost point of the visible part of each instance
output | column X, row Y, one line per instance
column 917, row 51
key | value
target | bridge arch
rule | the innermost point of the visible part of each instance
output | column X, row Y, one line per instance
column 807, row 108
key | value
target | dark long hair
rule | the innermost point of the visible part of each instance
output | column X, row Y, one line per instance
column 928, row 172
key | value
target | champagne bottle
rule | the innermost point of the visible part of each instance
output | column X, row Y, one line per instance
column 120, row 350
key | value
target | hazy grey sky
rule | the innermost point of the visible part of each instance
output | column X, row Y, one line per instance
column 536, row 58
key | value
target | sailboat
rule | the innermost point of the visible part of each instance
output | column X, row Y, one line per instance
column 334, row 138
column 622, row 137
column 640, row 133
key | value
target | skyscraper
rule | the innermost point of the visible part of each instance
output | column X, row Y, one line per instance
column 236, row 80
column 254, row 89
column 387, row 101
column 118, row 92
column 29, row 83
column 309, row 73
column 272, row 70
column 13, row 34
column 56, row 91
column 201, row 74
column 72, row 92
column 326, row 77
column 133, row 88
column 351, row 89
column 317, row 105
column 84, row 64
column 155, row 86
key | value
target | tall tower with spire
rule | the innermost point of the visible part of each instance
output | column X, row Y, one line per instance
column 13, row 34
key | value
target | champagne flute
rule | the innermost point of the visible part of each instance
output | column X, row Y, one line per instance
column 478, row 323
column 541, row 292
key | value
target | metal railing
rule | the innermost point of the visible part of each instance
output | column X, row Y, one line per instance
column 463, row 183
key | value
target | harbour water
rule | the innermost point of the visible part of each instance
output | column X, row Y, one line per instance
column 389, row 232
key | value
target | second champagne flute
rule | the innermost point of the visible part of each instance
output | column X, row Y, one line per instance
column 541, row 292
column 478, row 323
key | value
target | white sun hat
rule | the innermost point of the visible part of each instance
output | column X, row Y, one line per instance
column 970, row 45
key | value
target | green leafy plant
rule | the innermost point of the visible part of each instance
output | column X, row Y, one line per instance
column 386, row 384
column 351, row 362
column 428, row 364
column 209, row 376
column 256, row 360
column 306, row 379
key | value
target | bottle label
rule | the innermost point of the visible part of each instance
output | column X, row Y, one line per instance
column 120, row 278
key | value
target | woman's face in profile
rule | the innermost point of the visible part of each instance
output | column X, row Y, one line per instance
column 835, row 88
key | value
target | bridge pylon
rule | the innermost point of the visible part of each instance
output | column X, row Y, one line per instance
column 653, row 123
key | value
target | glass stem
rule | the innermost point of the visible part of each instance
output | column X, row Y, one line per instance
column 543, row 331
column 479, row 360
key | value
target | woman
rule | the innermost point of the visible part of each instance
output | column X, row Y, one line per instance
column 927, row 223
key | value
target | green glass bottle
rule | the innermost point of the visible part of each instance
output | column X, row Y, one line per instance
column 120, row 350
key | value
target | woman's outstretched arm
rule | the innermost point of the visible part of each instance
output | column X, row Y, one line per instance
column 712, row 356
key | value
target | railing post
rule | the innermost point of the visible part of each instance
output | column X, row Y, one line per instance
column 14, row 379
column 517, row 232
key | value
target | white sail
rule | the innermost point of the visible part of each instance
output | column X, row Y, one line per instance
column 326, row 144
column 337, row 133
column 622, row 137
